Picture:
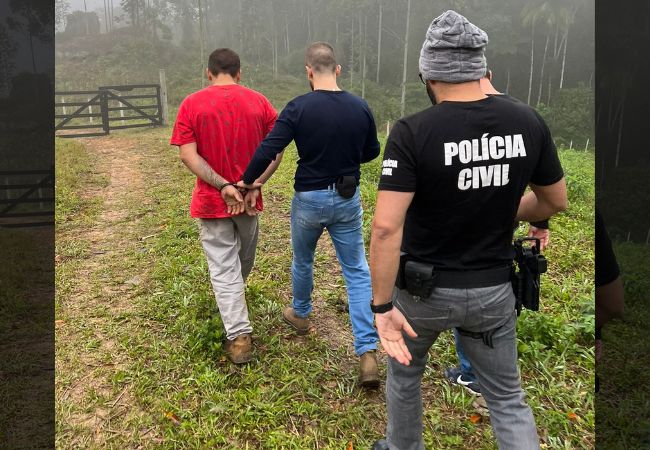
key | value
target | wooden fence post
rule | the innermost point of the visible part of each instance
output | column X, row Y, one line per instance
column 90, row 110
column 163, row 98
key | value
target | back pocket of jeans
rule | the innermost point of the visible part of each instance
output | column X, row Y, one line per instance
column 499, row 309
column 425, row 315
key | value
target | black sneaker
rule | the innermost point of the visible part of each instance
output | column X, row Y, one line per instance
column 455, row 375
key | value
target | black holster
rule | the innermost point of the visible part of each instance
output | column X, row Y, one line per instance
column 526, row 280
column 346, row 186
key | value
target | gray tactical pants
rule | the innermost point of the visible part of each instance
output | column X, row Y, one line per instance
column 477, row 309
column 229, row 245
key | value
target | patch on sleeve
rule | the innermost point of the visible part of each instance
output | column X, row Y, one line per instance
column 388, row 166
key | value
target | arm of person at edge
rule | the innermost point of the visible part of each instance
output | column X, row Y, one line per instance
column 385, row 244
column 371, row 149
column 542, row 202
column 250, row 199
column 273, row 144
column 200, row 167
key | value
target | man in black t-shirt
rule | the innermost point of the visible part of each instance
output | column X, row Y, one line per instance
column 451, row 188
column 463, row 375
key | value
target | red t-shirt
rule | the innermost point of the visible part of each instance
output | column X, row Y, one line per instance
column 227, row 123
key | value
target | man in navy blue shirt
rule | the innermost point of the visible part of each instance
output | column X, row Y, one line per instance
column 335, row 133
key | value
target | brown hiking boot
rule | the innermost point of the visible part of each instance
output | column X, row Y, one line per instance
column 239, row 350
column 300, row 324
column 368, row 370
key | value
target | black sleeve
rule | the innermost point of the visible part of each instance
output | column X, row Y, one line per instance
column 542, row 224
column 398, row 171
column 606, row 266
column 275, row 142
column 549, row 170
column 371, row 148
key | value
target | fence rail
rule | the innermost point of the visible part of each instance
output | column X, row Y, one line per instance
column 100, row 111
column 27, row 194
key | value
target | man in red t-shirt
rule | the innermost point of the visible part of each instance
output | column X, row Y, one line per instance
column 217, row 130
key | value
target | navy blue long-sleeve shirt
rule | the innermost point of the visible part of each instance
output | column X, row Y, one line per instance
column 334, row 132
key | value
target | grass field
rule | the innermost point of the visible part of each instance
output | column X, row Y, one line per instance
column 140, row 362
column 623, row 402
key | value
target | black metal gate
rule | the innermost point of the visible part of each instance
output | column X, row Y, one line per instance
column 108, row 108
column 27, row 198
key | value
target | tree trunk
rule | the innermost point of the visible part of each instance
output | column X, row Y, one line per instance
column 379, row 42
column 31, row 47
column 541, row 73
column 548, row 94
column 406, row 52
column 201, row 43
column 566, row 40
column 336, row 39
column 241, row 27
column 105, row 17
column 620, row 132
column 508, row 82
column 309, row 24
column 352, row 56
column 363, row 64
column 111, row 8
column 532, row 61
column 286, row 31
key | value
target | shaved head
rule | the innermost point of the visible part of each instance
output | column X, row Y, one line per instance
column 320, row 57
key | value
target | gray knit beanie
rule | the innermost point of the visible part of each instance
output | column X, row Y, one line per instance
column 454, row 50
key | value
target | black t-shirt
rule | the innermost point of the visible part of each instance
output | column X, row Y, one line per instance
column 468, row 164
column 606, row 266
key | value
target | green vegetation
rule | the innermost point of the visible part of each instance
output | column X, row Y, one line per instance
column 623, row 402
column 140, row 362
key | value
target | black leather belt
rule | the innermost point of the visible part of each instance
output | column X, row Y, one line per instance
column 467, row 279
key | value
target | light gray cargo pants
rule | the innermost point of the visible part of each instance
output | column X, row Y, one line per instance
column 477, row 309
column 229, row 245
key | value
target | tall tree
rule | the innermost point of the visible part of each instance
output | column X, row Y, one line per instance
column 406, row 53
column 379, row 40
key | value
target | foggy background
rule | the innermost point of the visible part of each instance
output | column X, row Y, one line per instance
column 126, row 41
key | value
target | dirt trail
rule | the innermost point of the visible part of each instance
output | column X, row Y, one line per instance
column 92, row 311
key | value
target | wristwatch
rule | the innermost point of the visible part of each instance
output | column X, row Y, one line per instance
column 380, row 309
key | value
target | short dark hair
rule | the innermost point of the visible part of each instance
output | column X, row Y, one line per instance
column 224, row 60
column 320, row 57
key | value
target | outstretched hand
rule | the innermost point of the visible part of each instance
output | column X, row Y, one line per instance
column 389, row 327
column 234, row 200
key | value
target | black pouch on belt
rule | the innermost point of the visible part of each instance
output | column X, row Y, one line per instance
column 420, row 278
column 346, row 186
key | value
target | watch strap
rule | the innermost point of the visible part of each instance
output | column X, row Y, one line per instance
column 379, row 309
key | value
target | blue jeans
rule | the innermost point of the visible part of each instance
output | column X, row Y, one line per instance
column 465, row 365
column 311, row 213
